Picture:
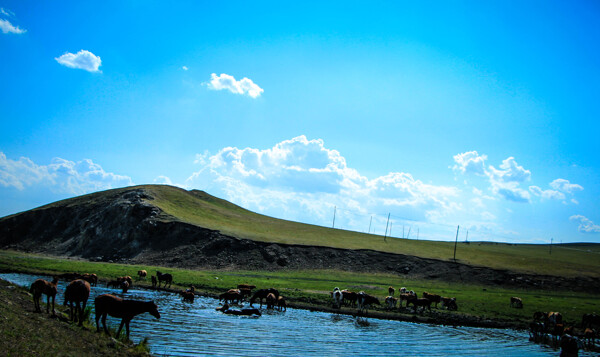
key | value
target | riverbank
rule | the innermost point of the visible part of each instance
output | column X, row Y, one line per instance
column 478, row 305
column 26, row 333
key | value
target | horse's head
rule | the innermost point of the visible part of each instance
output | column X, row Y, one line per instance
column 153, row 309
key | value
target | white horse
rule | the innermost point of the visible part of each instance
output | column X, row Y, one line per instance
column 338, row 297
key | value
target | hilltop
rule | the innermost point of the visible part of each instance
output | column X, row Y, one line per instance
column 165, row 225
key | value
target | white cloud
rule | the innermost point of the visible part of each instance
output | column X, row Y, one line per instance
column 244, row 86
column 470, row 162
column 302, row 179
column 82, row 60
column 163, row 180
column 565, row 186
column 7, row 27
column 185, row 68
column 585, row 224
column 547, row 194
column 60, row 176
column 509, row 171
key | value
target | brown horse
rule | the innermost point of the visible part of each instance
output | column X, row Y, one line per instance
column 90, row 278
column 125, row 309
column 40, row 287
column 142, row 274
column 78, row 292
column 262, row 294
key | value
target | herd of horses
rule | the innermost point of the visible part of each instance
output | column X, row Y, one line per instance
column 363, row 301
column 546, row 327
column 77, row 293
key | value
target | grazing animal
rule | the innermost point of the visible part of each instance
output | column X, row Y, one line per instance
column 423, row 303
column 540, row 316
column 391, row 302
column 449, row 303
column 41, row 286
column 187, row 296
column 403, row 290
column 126, row 278
column 536, row 330
column 364, row 301
column 281, row 303
column 516, row 302
column 231, row 296
column 434, row 298
column 245, row 292
column 406, row 297
column 262, row 294
column 154, row 281
column 142, row 274
column 338, row 297
column 90, row 278
column 247, row 312
column 167, row 278
column 349, row 298
column 125, row 309
column 569, row 346
column 114, row 284
column 124, row 285
column 590, row 320
column 271, row 301
column 391, row 291
column 246, row 286
column 553, row 318
column 589, row 336
column 78, row 293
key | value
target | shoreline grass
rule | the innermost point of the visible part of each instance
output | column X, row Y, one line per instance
column 310, row 288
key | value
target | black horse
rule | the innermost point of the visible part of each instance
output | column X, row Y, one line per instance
column 167, row 278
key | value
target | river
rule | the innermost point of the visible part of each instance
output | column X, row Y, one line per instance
column 197, row 329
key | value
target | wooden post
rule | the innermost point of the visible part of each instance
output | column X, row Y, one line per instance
column 386, row 228
column 334, row 209
column 455, row 242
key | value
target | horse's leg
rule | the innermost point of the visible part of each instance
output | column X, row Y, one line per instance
column 53, row 311
column 127, row 327
column 104, row 323
column 120, row 328
column 97, row 319
column 81, row 312
column 47, row 304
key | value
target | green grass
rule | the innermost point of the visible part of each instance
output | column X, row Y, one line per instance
column 314, row 286
column 201, row 209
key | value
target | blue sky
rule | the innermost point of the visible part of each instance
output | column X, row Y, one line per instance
column 478, row 114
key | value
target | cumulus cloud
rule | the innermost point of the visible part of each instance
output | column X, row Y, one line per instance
column 547, row 194
column 7, row 27
column 302, row 179
column 185, row 68
column 585, row 224
column 60, row 176
column 244, row 86
column 565, row 186
column 470, row 162
column 81, row 60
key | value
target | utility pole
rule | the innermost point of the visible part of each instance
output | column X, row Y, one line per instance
column 455, row 242
column 402, row 231
column 467, row 238
column 386, row 228
column 371, row 221
column 334, row 209
column 551, row 239
column 417, row 233
column 391, row 224
column 408, row 235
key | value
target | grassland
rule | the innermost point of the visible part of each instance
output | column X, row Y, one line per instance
column 313, row 286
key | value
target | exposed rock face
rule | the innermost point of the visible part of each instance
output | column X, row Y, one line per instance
column 124, row 226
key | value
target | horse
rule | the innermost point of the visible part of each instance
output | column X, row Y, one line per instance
column 78, row 292
column 167, row 278
column 262, row 294
column 142, row 274
column 271, row 301
column 107, row 304
column 338, row 297
column 281, row 303
column 41, row 286
column 90, row 278
column 187, row 295
column 244, row 312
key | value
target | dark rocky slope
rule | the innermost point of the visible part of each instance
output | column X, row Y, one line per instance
column 123, row 226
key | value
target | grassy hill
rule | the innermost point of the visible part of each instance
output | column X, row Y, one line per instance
column 201, row 209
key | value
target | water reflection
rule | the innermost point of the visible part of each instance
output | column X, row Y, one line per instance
column 196, row 328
